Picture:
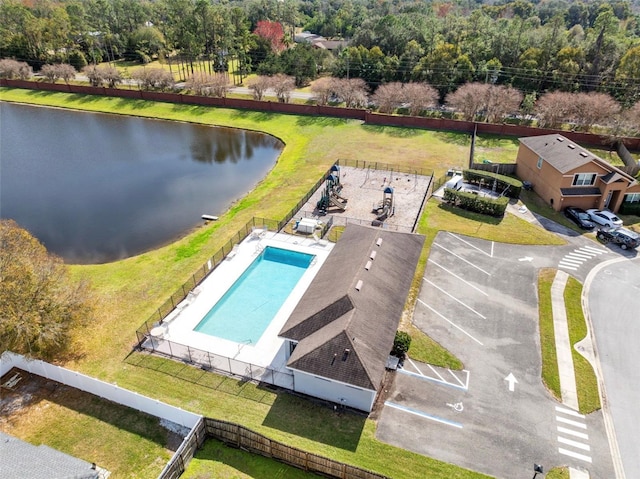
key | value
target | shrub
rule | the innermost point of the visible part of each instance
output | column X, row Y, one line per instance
column 401, row 344
column 630, row 209
column 476, row 203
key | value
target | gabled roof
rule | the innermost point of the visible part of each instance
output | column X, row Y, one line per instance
column 21, row 460
column 345, row 333
column 565, row 156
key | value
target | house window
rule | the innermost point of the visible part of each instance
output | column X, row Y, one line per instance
column 584, row 179
column 540, row 160
column 632, row 198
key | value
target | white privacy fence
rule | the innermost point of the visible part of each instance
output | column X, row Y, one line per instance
column 99, row 388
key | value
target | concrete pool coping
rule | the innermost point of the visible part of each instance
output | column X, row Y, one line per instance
column 269, row 351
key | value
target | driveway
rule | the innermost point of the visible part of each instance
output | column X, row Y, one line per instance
column 479, row 300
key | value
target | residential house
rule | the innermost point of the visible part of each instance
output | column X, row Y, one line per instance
column 565, row 174
column 340, row 334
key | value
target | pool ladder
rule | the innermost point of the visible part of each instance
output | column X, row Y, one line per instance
column 259, row 248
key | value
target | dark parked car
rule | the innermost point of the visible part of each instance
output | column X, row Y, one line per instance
column 579, row 217
column 622, row 236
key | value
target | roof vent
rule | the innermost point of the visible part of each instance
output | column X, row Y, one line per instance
column 560, row 138
column 345, row 354
column 359, row 285
column 379, row 242
column 582, row 153
column 367, row 266
column 573, row 147
column 373, row 255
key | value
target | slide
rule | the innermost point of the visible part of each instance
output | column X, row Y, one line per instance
column 337, row 203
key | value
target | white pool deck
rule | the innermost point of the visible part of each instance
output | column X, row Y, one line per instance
column 269, row 351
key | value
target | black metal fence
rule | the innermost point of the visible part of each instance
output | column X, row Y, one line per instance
column 376, row 165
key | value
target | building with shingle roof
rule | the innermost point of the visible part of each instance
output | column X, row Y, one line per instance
column 565, row 174
column 341, row 332
column 21, row 460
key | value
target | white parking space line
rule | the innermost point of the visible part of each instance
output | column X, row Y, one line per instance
column 456, row 276
column 455, row 299
column 460, row 257
column 570, row 412
column 423, row 414
column 492, row 243
column 414, row 365
column 450, row 322
column 571, row 423
column 432, row 379
column 457, row 378
column 576, row 444
column 466, row 242
column 433, row 370
column 575, row 455
column 571, row 432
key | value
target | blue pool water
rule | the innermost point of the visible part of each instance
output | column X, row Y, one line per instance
column 247, row 308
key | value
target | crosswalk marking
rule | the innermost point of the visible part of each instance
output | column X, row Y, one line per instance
column 571, row 432
column 571, row 422
column 570, row 412
column 575, row 455
column 571, row 442
column 572, row 261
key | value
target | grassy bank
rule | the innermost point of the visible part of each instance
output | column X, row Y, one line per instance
column 586, row 381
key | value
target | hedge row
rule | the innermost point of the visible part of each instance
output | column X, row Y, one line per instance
column 630, row 209
column 505, row 185
column 476, row 203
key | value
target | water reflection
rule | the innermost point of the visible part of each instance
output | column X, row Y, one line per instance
column 95, row 187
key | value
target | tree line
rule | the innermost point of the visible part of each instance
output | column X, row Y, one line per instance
column 533, row 46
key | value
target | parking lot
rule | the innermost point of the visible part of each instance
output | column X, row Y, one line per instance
column 479, row 300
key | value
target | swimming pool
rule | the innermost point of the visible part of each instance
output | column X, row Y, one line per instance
column 246, row 309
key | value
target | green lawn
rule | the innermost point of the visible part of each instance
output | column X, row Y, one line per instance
column 129, row 291
column 586, row 381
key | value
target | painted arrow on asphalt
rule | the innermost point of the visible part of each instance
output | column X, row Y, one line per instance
column 526, row 258
column 512, row 381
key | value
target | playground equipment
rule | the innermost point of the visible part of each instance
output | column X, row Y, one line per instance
column 385, row 209
column 331, row 197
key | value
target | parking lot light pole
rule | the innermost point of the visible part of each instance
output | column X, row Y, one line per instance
column 537, row 469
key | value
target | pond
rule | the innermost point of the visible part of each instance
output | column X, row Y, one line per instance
column 95, row 187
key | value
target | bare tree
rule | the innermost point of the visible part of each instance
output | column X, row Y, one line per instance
column 324, row 89
column 630, row 119
column 589, row 109
column 469, row 99
column 553, row 108
column 196, row 83
column 353, row 92
column 153, row 79
column 219, row 85
column 66, row 72
column 283, row 85
column 94, row 74
column 500, row 101
column 11, row 69
column 419, row 96
column 63, row 71
column 259, row 85
column 101, row 75
column 388, row 97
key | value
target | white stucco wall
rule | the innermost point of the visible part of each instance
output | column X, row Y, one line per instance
column 337, row 392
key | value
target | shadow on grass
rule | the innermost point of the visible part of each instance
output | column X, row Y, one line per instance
column 257, row 116
column 316, row 421
column 195, row 375
column 320, row 121
column 457, row 138
column 215, row 458
column 496, row 141
column 394, row 131
column 38, row 388
column 470, row 215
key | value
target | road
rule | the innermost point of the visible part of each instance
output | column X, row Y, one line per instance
column 614, row 304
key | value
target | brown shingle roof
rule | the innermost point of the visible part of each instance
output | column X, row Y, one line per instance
column 333, row 316
column 564, row 155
